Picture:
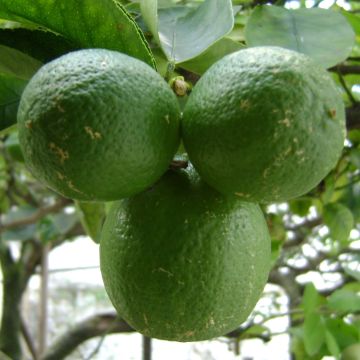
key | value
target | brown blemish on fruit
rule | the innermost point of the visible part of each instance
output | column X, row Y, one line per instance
column 244, row 104
column 332, row 113
column 29, row 124
column 301, row 160
column 285, row 122
column 279, row 159
column 189, row 333
column 72, row 187
column 169, row 274
column 275, row 192
column 95, row 135
column 242, row 194
column 60, row 108
column 60, row 175
column 62, row 154
column 266, row 172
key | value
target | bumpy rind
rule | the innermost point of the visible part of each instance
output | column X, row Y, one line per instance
column 183, row 262
column 266, row 124
column 98, row 125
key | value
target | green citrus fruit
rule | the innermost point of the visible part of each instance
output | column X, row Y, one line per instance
column 352, row 352
column 183, row 262
column 98, row 125
column 265, row 123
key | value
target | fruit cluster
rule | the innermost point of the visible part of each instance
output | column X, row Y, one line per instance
column 184, row 256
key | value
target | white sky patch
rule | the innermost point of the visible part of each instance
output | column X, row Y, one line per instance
column 354, row 234
column 292, row 5
column 355, row 244
column 70, row 210
column 355, row 88
column 326, row 4
column 309, row 3
column 343, row 4
column 323, row 231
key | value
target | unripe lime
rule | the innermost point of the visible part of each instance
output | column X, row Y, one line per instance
column 183, row 262
column 98, row 125
column 264, row 123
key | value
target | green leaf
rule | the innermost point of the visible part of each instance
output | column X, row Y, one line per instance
column 355, row 157
column 255, row 331
column 8, row 130
column 215, row 52
column 17, row 64
column 3, row 356
column 64, row 222
column 340, row 221
column 345, row 334
column 354, row 21
column 311, row 299
column 352, row 352
column 85, row 23
column 184, row 32
column 344, row 301
column 328, row 185
column 41, row 45
column 13, row 148
column 149, row 11
column 11, row 89
column 300, row 206
column 20, row 234
column 304, row 30
column 16, row 69
column 92, row 216
column 314, row 333
column 46, row 230
column 332, row 344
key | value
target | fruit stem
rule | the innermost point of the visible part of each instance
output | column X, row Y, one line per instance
column 178, row 164
column 169, row 71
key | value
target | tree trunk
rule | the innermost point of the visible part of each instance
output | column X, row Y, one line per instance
column 97, row 325
column 146, row 348
column 44, row 289
column 10, row 322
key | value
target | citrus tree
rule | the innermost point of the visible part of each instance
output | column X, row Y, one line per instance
column 313, row 237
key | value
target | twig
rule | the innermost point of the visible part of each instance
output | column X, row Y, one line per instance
column 28, row 339
column 94, row 326
column 353, row 181
column 274, row 316
column 97, row 348
column 308, row 223
column 36, row 216
column 348, row 92
column 346, row 69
